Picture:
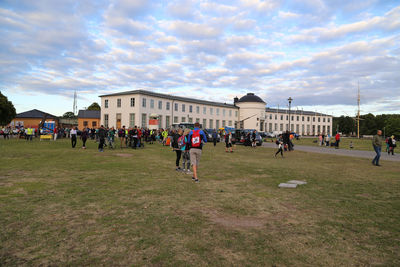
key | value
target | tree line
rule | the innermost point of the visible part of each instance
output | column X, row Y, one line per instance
column 369, row 124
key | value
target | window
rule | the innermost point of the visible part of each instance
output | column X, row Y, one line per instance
column 217, row 111
column 183, row 119
column 308, row 118
column 211, row 124
column 323, row 128
column 167, row 106
column 276, row 117
column 191, row 109
column 297, row 118
column 131, row 119
column 159, row 104
column 175, row 119
column 190, row 120
column 211, row 111
column 292, row 118
column 230, row 123
column 85, row 123
column 197, row 109
column 118, row 102
column 132, row 102
column 319, row 128
column 94, row 124
column 297, row 128
column 323, row 119
column 281, row 127
column 313, row 119
column 281, row 118
column 176, row 107
column 302, row 129
column 106, row 120
column 144, row 120
column 329, row 120
column 144, row 102
column 319, row 119
column 223, row 123
column 118, row 119
column 276, row 127
column 287, row 117
column 302, row 118
column 308, row 129
column 167, row 122
column 204, row 110
column 217, row 124
column 230, row 113
column 160, row 122
column 223, row 112
column 198, row 120
column 183, row 107
column 270, row 116
column 204, row 123
column 236, row 113
column 106, row 103
column 151, row 103
column 270, row 127
column 329, row 129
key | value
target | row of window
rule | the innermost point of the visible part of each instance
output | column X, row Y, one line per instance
column 176, row 107
column 144, row 121
column 274, row 127
column 298, row 118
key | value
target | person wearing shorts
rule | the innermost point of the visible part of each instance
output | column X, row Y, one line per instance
column 197, row 138
column 228, row 142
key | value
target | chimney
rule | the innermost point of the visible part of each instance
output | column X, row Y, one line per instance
column 235, row 100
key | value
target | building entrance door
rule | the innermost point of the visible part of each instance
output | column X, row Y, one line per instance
column 118, row 119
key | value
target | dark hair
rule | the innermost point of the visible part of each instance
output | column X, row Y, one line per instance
column 197, row 124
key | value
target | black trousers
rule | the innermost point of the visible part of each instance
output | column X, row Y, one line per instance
column 279, row 150
column 84, row 141
column 73, row 140
column 135, row 142
column 101, row 143
column 178, row 156
column 215, row 141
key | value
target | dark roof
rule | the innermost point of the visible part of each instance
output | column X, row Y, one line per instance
column 90, row 114
column 171, row 97
column 250, row 97
column 295, row 112
column 34, row 113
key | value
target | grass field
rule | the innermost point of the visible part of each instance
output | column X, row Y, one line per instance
column 358, row 144
column 64, row 206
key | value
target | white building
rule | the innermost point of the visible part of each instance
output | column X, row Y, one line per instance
column 134, row 108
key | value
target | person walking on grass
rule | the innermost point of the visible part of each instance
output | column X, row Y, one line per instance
column 121, row 135
column 175, row 147
column 84, row 137
column 280, row 147
column 392, row 145
column 215, row 137
column 73, row 134
column 110, row 137
column 228, row 142
column 101, row 134
column 183, row 144
column 337, row 138
column 377, row 144
column 254, row 139
column 196, row 139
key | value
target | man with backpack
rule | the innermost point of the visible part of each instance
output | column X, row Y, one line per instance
column 196, row 139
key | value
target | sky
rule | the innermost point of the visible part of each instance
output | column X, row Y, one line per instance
column 315, row 51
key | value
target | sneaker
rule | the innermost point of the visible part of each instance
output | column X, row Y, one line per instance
column 189, row 172
column 196, row 181
column 178, row 169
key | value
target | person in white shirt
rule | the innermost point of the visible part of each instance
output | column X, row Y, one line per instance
column 73, row 136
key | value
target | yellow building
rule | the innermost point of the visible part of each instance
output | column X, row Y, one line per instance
column 89, row 119
column 32, row 119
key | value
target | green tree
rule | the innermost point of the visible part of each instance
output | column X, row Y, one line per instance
column 393, row 127
column 94, row 106
column 69, row 115
column 7, row 110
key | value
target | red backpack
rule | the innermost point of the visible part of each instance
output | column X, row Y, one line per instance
column 196, row 139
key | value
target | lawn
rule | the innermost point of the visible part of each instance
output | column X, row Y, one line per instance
column 64, row 206
column 358, row 144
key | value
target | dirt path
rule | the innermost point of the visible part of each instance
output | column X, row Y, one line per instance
column 341, row 152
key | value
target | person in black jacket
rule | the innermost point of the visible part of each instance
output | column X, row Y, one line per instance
column 175, row 147
column 84, row 136
column 102, row 137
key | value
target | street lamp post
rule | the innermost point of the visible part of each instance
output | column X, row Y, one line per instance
column 290, row 102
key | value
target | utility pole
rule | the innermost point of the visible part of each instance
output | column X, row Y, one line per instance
column 358, row 112
column 75, row 105
column 290, row 103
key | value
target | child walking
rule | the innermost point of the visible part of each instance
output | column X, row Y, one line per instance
column 280, row 148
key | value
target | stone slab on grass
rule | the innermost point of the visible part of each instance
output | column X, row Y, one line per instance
column 297, row 182
column 285, row 185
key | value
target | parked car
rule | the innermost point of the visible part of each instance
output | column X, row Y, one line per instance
column 244, row 137
column 209, row 134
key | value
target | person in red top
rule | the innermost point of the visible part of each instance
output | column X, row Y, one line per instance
column 337, row 138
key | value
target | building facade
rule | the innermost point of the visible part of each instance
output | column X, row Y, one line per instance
column 88, row 119
column 32, row 119
column 136, row 108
